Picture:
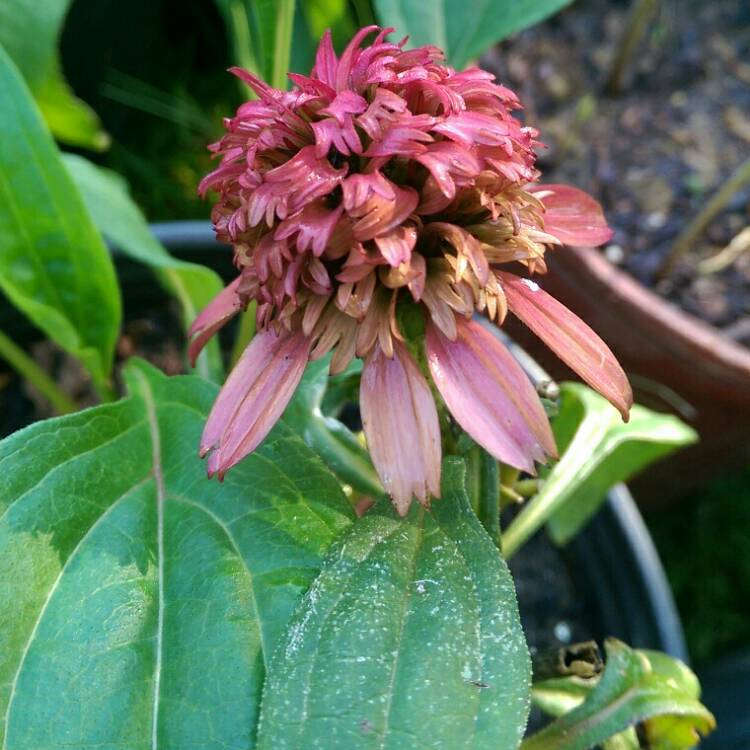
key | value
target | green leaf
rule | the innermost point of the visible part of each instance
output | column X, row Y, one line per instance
column 598, row 450
column 30, row 32
column 636, row 687
column 410, row 637
column 329, row 438
column 121, row 222
column 260, row 32
column 463, row 28
column 139, row 601
column 53, row 264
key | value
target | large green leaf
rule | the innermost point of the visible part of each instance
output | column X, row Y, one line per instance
column 53, row 263
column 463, row 28
column 409, row 637
column 598, row 450
column 139, row 601
column 637, row 687
column 30, row 32
column 120, row 220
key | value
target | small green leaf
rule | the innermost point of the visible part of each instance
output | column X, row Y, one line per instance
column 121, row 222
column 463, row 28
column 598, row 450
column 30, row 32
column 410, row 637
column 636, row 687
column 139, row 601
column 53, row 264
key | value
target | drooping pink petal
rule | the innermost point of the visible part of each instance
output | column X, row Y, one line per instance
column 570, row 338
column 572, row 216
column 219, row 311
column 489, row 394
column 401, row 426
column 254, row 397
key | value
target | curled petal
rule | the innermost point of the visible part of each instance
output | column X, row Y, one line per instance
column 572, row 216
column 570, row 338
column 219, row 311
column 401, row 425
column 254, row 397
column 326, row 63
column 489, row 394
column 396, row 245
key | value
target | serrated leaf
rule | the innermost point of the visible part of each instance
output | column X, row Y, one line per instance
column 410, row 637
column 138, row 600
column 121, row 222
column 636, row 687
column 53, row 264
column 30, row 32
column 463, row 28
column 598, row 450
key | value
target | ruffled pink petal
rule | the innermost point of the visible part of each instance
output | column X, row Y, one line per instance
column 254, row 397
column 570, row 338
column 471, row 128
column 401, row 426
column 326, row 63
column 396, row 245
column 489, row 395
column 217, row 313
column 572, row 216
column 313, row 226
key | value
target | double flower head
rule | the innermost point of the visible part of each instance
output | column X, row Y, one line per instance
column 374, row 210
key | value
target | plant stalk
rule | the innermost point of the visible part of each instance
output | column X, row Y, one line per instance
column 638, row 20
column 738, row 180
column 483, row 480
column 245, row 333
column 30, row 371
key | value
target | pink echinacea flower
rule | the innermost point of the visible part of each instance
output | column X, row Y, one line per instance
column 384, row 182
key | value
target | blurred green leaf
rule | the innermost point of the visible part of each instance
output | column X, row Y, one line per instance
column 121, row 222
column 53, row 264
column 30, row 32
column 637, row 687
column 463, row 28
column 598, row 450
column 314, row 18
column 260, row 32
column 139, row 601
column 410, row 637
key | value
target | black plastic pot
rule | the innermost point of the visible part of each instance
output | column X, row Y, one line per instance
column 608, row 581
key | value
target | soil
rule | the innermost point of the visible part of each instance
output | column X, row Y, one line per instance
column 656, row 152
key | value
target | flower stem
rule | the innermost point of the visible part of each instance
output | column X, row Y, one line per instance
column 738, row 180
column 483, row 485
column 30, row 370
column 245, row 333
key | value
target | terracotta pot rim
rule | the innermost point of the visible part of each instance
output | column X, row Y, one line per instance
column 680, row 327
